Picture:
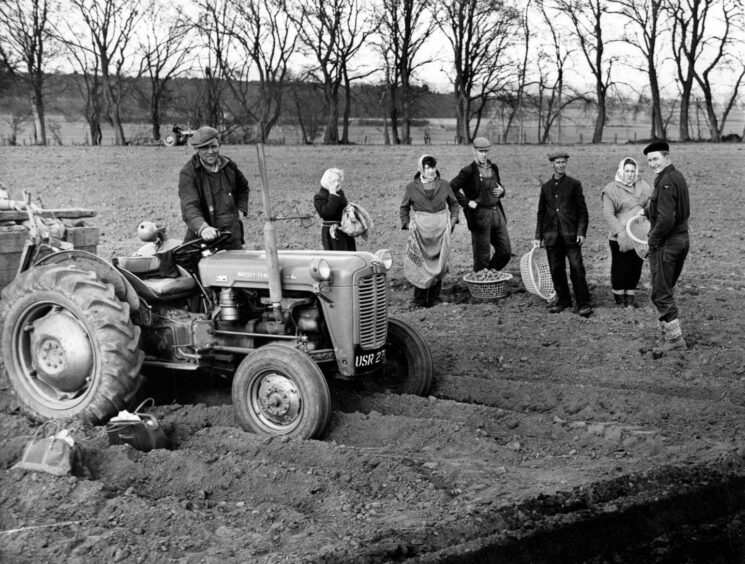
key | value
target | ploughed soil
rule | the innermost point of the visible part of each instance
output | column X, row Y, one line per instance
column 545, row 438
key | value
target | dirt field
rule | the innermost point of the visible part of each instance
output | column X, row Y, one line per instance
column 546, row 438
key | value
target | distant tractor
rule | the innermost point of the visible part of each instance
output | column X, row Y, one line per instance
column 177, row 136
column 78, row 332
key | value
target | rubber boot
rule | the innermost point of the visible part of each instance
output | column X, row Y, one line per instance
column 620, row 300
column 673, row 337
column 629, row 300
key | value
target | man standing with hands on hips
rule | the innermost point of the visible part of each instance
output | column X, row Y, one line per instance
column 479, row 192
column 213, row 191
column 668, row 211
column 561, row 226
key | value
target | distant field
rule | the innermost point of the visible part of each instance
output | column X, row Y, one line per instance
column 577, row 128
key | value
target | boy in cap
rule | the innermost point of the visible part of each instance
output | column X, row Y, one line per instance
column 213, row 191
column 561, row 226
column 479, row 192
column 668, row 211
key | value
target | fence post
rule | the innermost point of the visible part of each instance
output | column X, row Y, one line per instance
column 615, row 139
column 581, row 140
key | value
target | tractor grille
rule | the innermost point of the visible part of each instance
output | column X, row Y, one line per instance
column 373, row 293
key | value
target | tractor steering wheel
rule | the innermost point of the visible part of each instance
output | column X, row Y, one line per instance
column 191, row 249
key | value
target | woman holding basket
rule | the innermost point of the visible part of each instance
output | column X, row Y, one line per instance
column 622, row 200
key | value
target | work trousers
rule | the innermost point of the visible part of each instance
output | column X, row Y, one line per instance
column 625, row 268
column 665, row 264
column 557, row 257
column 489, row 229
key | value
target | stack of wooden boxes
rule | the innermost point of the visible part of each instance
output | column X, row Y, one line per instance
column 13, row 239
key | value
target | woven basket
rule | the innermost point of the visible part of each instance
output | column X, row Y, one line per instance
column 488, row 289
column 638, row 229
column 536, row 273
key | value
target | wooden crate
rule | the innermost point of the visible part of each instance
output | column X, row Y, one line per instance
column 12, row 243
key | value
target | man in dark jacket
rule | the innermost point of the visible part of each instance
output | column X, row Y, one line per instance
column 668, row 211
column 213, row 191
column 479, row 192
column 561, row 226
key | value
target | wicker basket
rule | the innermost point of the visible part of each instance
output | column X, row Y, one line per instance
column 536, row 274
column 488, row 289
column 638, row 229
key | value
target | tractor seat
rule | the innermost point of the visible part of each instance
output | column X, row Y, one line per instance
column 144, row 275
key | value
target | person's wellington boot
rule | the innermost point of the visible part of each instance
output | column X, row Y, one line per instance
column 630, row 301
column 673, row 338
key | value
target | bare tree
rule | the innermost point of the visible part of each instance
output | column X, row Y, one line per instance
column 515, row 98
column 25, row 34
column 551, row 98
column 403, row 29
column 724, row 56
column 87, row 76
column 164, row 49
column 586, row 17
column 253, row 45
column 109, row 26
column 643, row 31
column 332, row 32
column 479, row 32
column 688, row 35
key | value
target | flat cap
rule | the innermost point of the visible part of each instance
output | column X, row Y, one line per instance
column 558, row 154
column 203, row 136
column 481, row 143
column 656, row 146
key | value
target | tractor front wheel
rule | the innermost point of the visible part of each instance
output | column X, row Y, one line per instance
column 69, row 348
column 278, row 390
column 409, row 366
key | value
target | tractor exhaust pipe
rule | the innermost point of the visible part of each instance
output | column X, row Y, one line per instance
column 270, row 239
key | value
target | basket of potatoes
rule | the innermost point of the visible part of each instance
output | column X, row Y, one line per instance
column 488, row 283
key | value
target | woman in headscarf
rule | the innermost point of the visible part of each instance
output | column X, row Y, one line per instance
column 330, row 202
column 429, row 211
column 622, row 199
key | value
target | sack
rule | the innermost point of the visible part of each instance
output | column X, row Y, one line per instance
column 50, row 450
column 140, row 430
column 48, row 227
column 355, row 221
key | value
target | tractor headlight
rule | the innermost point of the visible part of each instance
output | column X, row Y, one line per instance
column 320, row 269
column 385, row 256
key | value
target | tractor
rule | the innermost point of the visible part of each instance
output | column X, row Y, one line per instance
column 79, row 332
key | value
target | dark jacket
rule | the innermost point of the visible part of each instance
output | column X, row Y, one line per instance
column 467, row 186
column 198, row 204
column 330, row 208
column 668, row 208
column 568, row 210
column 416, row 198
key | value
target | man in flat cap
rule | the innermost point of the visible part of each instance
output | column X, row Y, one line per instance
column 213, row 192
column 561, row 226
column 668, row 211
column 479, row 192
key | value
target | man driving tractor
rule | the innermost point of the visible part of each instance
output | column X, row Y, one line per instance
column 213, row 192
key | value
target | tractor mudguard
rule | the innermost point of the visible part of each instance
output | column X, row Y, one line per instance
column 104, row 271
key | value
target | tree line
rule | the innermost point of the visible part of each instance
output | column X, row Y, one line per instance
column 251, row 63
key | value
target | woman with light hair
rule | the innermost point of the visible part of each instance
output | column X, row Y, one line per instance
column 330, row 202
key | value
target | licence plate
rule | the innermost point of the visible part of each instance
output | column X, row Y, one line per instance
column 369, row 359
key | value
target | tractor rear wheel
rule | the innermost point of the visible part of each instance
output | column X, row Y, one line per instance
column 170, row 140
column 278, row 390
column 409, row 366
column 69, row 348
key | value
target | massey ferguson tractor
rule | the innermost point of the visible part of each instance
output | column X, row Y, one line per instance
column 79, row 333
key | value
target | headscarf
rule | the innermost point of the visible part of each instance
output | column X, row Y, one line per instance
column 421, row 170
column 619, row 172
column 329, row 175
